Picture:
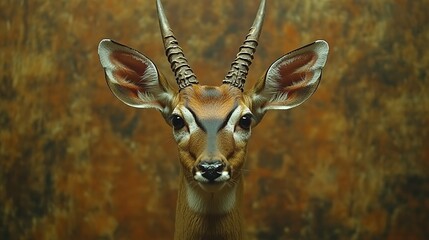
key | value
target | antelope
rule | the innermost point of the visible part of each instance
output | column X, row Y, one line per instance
column 211, row 124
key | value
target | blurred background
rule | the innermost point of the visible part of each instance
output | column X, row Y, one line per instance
column 350, row 163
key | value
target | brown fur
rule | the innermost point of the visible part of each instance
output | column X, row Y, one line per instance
column 192, row 225
column 210, row 102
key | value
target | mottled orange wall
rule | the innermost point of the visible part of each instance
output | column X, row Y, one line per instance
column 351, row 163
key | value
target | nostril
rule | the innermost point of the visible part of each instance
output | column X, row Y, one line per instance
column 208, row 166
column 211, row 170
column 219, row 168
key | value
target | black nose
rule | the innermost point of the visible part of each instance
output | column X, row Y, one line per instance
column 211, row 170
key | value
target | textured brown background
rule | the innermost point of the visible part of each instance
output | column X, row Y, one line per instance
column 351, row 163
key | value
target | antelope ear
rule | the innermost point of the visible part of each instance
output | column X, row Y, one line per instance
column 133, row 78
column 290, row 80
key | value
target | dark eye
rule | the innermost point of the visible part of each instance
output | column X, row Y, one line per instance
column 245, row 121
column 177, row 122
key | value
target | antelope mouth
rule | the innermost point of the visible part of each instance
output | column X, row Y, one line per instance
column 211, row 178
column 212, row 181
column 211, row 172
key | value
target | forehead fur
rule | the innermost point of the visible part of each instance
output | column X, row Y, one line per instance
column 211, row 102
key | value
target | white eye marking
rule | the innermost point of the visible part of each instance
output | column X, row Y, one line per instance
column 189, row 118
column 189, row 121
column 239, row 136
column 182, row 134
column 235, row 116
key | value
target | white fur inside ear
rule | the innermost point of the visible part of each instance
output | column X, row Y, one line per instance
column 117, row 58
column 321, row 48
column 107, row 47
column 293, row 78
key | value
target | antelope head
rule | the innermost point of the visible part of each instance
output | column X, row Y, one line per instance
column 212, row 124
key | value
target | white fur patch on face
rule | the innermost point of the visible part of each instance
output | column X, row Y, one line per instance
column 235, row 116
column 214, row 203
column 199, row 177
column 190, row 123
column 224, row 176
column 240, row 136
column 189, row 119
column 187, row 116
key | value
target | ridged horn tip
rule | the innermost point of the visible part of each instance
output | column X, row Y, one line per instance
column 179, row 64
column 240, row 66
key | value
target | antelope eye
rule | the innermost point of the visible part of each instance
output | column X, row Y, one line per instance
column 177, row 122
column 245, row 121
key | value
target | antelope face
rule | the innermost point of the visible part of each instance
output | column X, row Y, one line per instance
column 211, row 126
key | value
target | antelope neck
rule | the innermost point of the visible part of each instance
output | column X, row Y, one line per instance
column 203, row 202
column 208, row 215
